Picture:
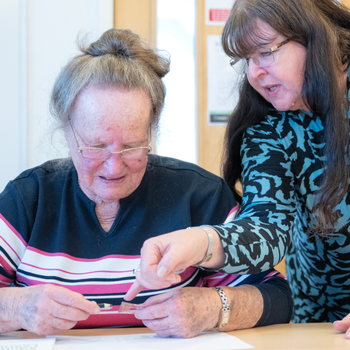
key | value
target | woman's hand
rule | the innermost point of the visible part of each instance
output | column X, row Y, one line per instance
column 343, row 326
column 43, row 309
column 183, row 312
column 186, row 312
column 163, row 255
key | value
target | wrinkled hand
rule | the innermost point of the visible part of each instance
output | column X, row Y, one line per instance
column 184, row 312
column 163, row 255
column 343, row 326
column 45, row 309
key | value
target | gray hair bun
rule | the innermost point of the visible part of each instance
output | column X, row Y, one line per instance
column 123, row 43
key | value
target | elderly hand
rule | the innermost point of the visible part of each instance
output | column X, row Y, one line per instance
column 343, row 326
column 163, row 255
column 43, row 309
column 184, row 312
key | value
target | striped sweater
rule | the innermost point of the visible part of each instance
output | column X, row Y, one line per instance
column 49, row 232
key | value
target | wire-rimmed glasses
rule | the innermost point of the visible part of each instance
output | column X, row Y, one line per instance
column 102, row 154
column 262, row 58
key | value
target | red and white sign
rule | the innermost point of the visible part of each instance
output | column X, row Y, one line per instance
column 218, row 15
column 217, row 11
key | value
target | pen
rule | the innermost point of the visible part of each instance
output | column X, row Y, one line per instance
column 104, row 306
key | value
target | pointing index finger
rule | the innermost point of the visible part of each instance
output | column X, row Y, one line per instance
column 135, row 289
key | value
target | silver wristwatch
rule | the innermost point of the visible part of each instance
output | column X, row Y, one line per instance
column 225, row 311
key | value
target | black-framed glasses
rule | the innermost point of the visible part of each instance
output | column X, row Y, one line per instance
column 262, row 58
column 102, row 154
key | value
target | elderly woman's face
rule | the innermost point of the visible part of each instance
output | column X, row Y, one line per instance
column 281, row 82
column 113, row 119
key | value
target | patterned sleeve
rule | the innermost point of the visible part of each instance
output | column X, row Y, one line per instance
column 258, row 238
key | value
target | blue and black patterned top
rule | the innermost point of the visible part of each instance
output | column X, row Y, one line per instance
column 282, row 159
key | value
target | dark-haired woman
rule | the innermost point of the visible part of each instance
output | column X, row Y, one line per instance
column 288, row 143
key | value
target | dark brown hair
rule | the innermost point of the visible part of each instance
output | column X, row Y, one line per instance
column 323, row 28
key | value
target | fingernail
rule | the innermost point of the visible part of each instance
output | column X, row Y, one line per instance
column 161, row 271
column 176, row 280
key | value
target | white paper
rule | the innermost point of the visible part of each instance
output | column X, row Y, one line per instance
column 222, row 83
column 150, row 341
column 27, row 344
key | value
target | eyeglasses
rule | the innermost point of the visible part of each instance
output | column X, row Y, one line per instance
column 102, row 154
column 264, row 59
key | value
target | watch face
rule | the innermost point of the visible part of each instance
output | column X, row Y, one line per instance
column 225, row 317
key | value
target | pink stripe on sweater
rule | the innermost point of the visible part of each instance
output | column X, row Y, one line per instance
column 83, row 288
column 83, row 260
column 76, row 273
column 104, row 320
column 95, row 288
column 219, row 279
column 272, row 274
column 13, row 230
column 16, row 234
column 5, row 282
column 232, row 214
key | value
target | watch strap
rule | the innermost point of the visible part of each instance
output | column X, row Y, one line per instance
column 225, row 311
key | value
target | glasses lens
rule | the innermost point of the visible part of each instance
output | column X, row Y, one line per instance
column 239, row 66
column 103, row 154
column 133, row 154
column 95, row 153
column 266, row 58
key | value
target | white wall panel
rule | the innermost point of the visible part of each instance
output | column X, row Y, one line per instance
column 12, row 90
column 53, row 27
column 37, row 39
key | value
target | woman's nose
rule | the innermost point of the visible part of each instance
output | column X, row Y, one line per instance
column 114, row 163
column 255, row 71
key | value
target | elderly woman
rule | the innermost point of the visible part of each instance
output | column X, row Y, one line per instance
column 72, row 229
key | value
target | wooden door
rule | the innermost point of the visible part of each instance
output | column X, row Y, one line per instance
column 140, row 16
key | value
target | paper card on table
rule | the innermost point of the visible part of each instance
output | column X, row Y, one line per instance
column 150, row 341
column 27, row 344
column 127, row 308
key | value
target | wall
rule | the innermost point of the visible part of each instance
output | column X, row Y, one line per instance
column 176, row 34
column 38, row 38
column 12, row 91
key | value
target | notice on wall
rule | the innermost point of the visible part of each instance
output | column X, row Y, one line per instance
column 222, row 83
column 217, row 11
